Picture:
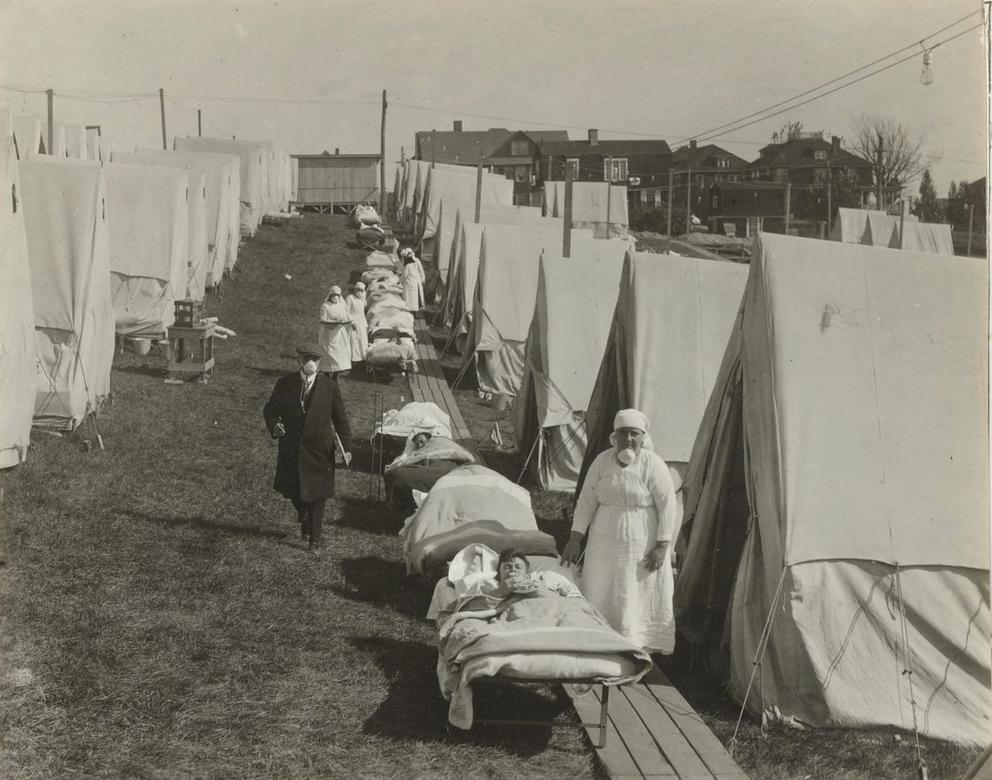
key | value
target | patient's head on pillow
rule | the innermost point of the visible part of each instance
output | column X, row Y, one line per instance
column 512, row 564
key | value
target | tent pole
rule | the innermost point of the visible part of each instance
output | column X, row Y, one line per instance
column 161, row 105
column 51, row 120
column 382, row 157
column 199, row 123
column 566, row 241
column 478, row 193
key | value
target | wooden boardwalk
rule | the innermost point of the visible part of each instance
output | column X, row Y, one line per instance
column 653, row 731
column 429, row 384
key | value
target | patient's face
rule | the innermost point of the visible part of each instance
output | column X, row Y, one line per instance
column 420, row 440
column 514, row 567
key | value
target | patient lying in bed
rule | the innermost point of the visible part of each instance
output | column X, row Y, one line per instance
column 524, row 625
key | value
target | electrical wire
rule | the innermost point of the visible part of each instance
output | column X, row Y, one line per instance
column 912, row 45
column 843, row 86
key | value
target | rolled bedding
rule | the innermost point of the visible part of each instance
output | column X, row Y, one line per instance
column 389, row 318
column 380, row 278
column 472, row 504
column 379, row 259
column 383, row 353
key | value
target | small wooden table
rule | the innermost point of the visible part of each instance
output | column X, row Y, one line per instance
column 190, row 353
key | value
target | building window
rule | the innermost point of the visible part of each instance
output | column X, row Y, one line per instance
column 820, row 154
column 615, row 169
column 714, row 201
column 519, row 149
column 722, row 162
column 573, row 166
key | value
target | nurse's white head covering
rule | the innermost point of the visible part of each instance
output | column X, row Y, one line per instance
column 335, row 290
column 630, row 418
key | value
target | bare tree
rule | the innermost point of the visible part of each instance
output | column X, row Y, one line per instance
column 896, row 155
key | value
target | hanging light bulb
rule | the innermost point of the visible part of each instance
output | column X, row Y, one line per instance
column 926, row 76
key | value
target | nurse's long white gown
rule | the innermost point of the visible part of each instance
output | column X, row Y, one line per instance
column 621, row 508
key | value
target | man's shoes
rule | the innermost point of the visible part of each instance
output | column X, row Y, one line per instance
column 315, row 550
column 305, row 530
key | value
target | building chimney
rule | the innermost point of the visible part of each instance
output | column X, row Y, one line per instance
column 593, row 137
column 692, row 144
column 337, row 150
column 458, row 125
column 834, row 145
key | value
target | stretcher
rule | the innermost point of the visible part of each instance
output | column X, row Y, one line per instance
column 544, row 638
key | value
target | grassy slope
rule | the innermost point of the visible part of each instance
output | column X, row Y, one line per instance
column 171, row 621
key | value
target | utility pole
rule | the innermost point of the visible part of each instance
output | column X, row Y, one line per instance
column 688, row 202
column 161, row 105
column 199, row 123
column 671, row 194
column 609, row 190
column 830, row 207
column 402, row 155
column 478, row 193
column 566, row 241
column 51, row 120
column 971, row 224
column 382, row 157
column 902, row 219
column 788, row 205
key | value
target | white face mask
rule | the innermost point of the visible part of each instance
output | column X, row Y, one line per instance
column 310, row 367
column 626, row 456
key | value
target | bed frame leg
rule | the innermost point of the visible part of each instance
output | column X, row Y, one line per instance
column 604, row 710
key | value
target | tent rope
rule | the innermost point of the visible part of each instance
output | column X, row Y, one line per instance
column 529, row 456
column 908, row 669
column 758, row 655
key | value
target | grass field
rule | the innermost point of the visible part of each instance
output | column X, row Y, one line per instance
column 159, row 617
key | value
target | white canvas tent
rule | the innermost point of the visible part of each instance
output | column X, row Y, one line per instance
column 927, row 237
column 253, row 174
column 57, row 145
column 573, row 309
column 75, row 142
column 670, row 327
column 456, row 187
column 867, row 226
column 149, row 245
column 222, row 201
column 66, row 218
column 17, row 356
column 29, row 136
column 837, row 500
column 503, row 302
column 199, row 262
column 594, row 205
column 460, row 273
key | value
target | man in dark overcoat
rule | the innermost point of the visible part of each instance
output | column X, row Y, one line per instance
column 304, row 413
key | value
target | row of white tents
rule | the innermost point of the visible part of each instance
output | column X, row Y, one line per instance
column 879, row 228
column 104, row 247
column 827, row 409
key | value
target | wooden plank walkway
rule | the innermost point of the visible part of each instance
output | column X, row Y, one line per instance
column 429, row 384
column 653, row 731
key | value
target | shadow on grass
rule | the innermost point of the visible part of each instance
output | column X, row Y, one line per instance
column 374, row 580
column 362, row 376
column 369, row 515
column 270, row 372
column 409, row 713
column 158, row 372
column 202, row 523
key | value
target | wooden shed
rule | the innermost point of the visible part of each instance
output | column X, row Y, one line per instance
column 329, row 182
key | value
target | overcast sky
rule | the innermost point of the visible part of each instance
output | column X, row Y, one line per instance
column 631, row 68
